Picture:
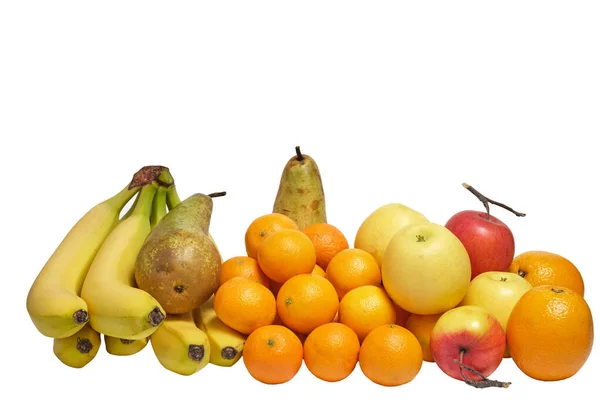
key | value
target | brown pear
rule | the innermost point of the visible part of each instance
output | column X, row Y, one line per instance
column 179, row 264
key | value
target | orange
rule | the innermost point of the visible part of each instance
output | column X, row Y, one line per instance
column 273, row 354
column 275, row 286
column 421, row 326
column 319, row 271
column 545, row 268
column 550, row 333
column 328, row 241
column 390, row 355
column 244, row 305
column 366, row 308
column 286, row 253
column 401, row 315
column 306, row 301
column 262, row 227
column 245, row 267
column 352, row 268
column 331, row 352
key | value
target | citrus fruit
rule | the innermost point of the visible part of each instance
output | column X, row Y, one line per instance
column 245, row 267
column 306, row 301
column 328, row 241
column 545, row 268
column 286, row 253
column 244, row 305
column 319, row 271
column 401, row 315
column 272, row 354
column 366, row 308
column 421, row 326
column 262, row 227
column 352, row 268
column 550, row 333
column 331, row 351
column 275, row 286
column 390, row 355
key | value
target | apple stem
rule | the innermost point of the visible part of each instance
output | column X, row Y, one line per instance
column 484, row 382
column 299, row 155
column 486, row 200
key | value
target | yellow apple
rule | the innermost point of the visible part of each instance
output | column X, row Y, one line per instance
column 426, row 269
column 379, row 227
column 497, row 292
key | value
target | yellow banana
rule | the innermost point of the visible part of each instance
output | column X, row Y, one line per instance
column 53, row 301
column 79, row 349
column 117, row 308
column 226, row 344
column 124, row 347
column 180, row 346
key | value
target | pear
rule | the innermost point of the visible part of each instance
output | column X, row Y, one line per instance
column 179, row 263
column 300, row 195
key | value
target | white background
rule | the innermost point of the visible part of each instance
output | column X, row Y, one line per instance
column 397, row 103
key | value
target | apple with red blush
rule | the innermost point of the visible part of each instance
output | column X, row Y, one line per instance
column 468, row 343
column 489, row 241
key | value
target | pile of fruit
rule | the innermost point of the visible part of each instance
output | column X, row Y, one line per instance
column 408, row 291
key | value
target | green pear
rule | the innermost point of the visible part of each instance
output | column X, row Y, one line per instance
column 300, row 195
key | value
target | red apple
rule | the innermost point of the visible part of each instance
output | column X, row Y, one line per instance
column 473, row 332
column 489, row 242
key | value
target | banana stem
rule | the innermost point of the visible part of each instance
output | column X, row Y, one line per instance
column 120, row 199
column 172, row 197
column 130, row 211
column 145, row 200
column 159, row 206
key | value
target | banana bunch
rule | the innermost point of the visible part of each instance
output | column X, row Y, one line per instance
column 87, row 289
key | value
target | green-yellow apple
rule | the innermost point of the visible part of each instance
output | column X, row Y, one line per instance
column 379, row 227
column 497, row 292
column 471, row 333
column 426, row 269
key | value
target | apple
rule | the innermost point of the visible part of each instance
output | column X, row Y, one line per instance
column 426, row 269
column 489, row 241
column 471, row 333
column 497, row 292
column 379, row 227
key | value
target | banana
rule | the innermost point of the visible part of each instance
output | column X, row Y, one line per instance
column 180, row 346
column 117, row 307
column 78, row 350
column 124, row 347
column 226, row 344
column 159, row 206
column 53, row 302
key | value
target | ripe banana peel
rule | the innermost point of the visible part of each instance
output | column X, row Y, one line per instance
column 124, row 347
column 78, row 350
column 226, row 344
column 116, row 307
column 53, row 302
column 180, row 346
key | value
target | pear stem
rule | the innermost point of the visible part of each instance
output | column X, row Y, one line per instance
column 217, row 194
column 486, row 200
column 484, row 382
column 299, row 155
